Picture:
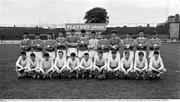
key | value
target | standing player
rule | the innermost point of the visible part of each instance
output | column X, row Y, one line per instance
column 46, row 66
column 141, row 44
column 82, row 44
column 156, row 65
column 61, row 44
column 154, row 44
column 114, row 44
column 37, row 46
column 72, row 42
column 73, row 65
column 93, row 42
column 114, row 65
column 25, row 44
column 103, row 45
column 141, row 65
column 50, row 46
column 128, row 45
column 86, row 65
column 22, row 65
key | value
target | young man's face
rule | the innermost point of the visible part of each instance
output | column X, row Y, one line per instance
column 103, row 36
column 25, row 36
column 93, row 35
column 60, row 34
column 23, row 56
column 127, row 36
column 60, row 54
column 72, row 33
column 100, row 55
column 37, row 36
column 154, row 36
column 86, row 56
column 73, row 57
column 83, row 34
column 127, row 55
column 113, row 55
column 49, row 36
column 141, row 34
column 46, row 58
column 33, row 57
column 156, row 55
column 141, row 57
column 113, row 35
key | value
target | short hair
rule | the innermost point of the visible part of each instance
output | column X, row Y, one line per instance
column 103, row 33
column 32, row 55
column 126, row 52
column 100, row 52
column 114, row 31
column 141, row 53
column 83, row 31
column 86, row 54
column 46, row 54
column 37, row 34
column 141, row 31
column 25, row 33
column 93, row 32
column 129, row 33
column 72, row 30
column 61, row 52
column 156, row 52
column 23, row 53
column 73, row 54
column 114, row 52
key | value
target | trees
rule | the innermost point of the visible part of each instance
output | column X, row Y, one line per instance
column 96, row 15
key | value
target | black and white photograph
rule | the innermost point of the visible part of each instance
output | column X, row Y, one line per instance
column 89, row 49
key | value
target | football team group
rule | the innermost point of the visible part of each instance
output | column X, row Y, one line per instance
column 78, row 56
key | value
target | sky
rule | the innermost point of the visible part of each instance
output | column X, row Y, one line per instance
column 59, row 12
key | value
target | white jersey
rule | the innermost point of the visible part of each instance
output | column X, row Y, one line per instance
column 60, row 62
column 156, row 63
column 93, row 43
column 114, row 63
column 33, row 64
column 126, row 63
column 140, row 64
column 46, row 65
column 86, row 63
column 99, row 62
column 22, row 63
column 73, row 64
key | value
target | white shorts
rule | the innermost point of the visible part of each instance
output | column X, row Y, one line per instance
column 137, row 51
column 39, row 55
column 92, row 53
column 118, row 54
column 81, row 53
column 131, row 54
column 71, row 50
column 151, row 53
column 64, row 53
column 52, row 55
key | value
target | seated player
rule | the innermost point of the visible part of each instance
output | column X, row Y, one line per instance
column 86, row 65
column 128, row 45
column 61, row 44
column 141, row 44
column 99, row 65
column 33, row 66
column 113, row 66
column 46, row 66
column 127, row 63
column 73, row 65
column 60, row 62
column 156, row 65
column 82, row 44
column 103, row 45
column 140, row 65
column 72, row 42
column 22, row 65
column 25, row 44
column 154, row 44
column 50, row 46
column 93, row 42
column 114, row 44
column 37, row 46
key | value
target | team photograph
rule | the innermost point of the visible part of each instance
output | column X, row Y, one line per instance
column 101, row 55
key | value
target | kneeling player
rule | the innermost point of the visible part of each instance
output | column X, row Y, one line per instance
column 127, row 63
column 46, row 66
column 141, row 65
column 99, row 65
column 33, row 68
column 156, row 65
column 60, row 62
column 113, row 66
column 22, row 65
column 86, row 65
column 73, row 65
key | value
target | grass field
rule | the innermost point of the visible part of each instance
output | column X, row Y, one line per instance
column 166, row 88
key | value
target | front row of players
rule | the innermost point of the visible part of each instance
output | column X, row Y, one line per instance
column 99, row 68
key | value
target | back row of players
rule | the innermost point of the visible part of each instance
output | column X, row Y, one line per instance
column 109, row 49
